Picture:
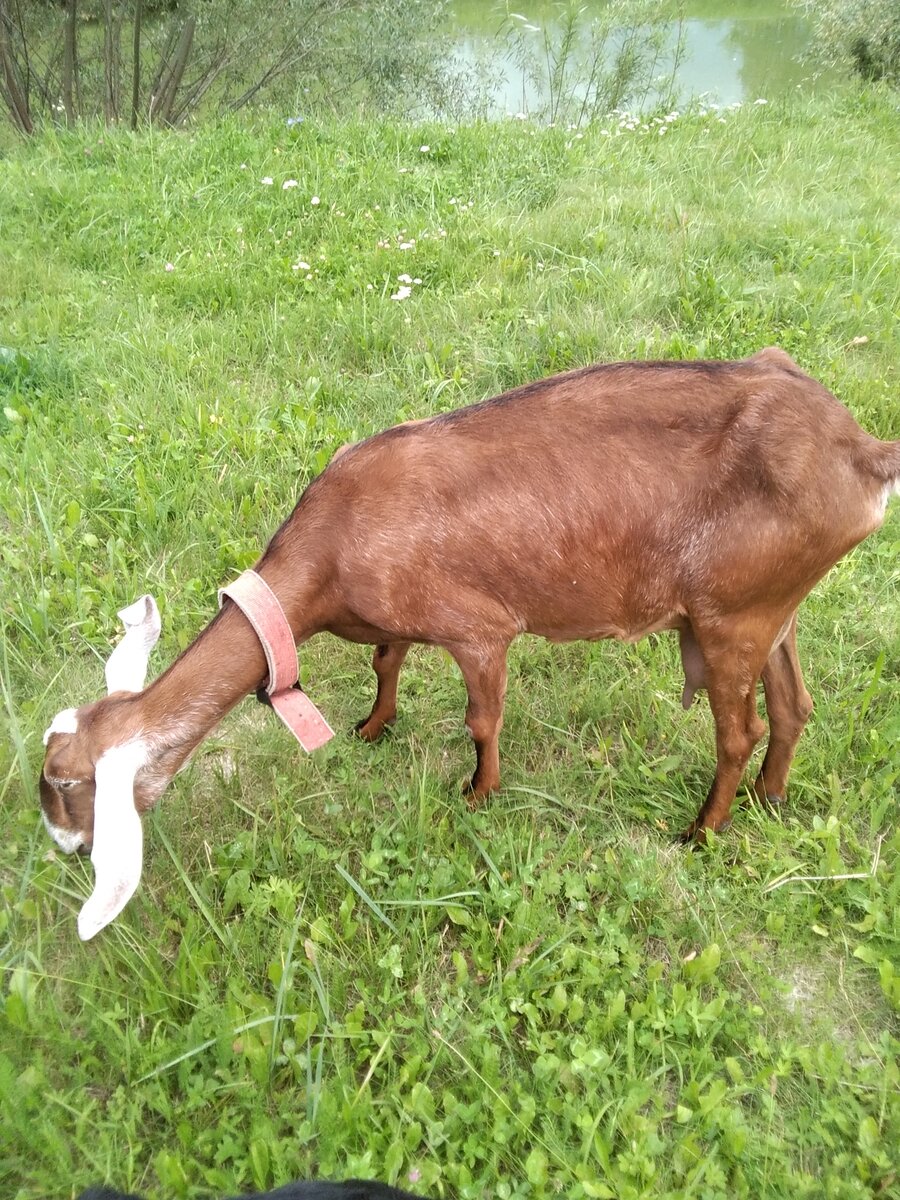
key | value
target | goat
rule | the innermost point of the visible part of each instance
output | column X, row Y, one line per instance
column 610, row 502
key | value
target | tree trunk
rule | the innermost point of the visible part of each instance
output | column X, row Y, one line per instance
column 10, row 87
column 136, row 72
column 109, row 64
column 69, row 60
column 162, row 69
column 164, row 101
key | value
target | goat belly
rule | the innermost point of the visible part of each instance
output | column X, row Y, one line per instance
column 566, row 572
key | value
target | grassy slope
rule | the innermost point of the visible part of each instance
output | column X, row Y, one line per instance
column 593, row 1011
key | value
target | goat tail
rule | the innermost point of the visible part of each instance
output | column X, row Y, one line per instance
column 882, row 461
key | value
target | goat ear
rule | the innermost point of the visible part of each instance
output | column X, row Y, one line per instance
column 126, row 668
column 118, row 848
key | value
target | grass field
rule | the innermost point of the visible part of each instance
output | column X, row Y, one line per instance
column 331, row 966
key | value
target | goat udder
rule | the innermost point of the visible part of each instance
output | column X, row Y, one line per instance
column 692, row 662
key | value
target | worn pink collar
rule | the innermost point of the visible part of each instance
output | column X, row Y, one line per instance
column 260, row 606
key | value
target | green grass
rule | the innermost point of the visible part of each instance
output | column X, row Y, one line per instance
column 331, row 967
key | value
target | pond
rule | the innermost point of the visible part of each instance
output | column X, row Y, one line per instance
column 731, row 51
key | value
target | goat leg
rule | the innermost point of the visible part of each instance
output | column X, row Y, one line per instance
column 386, row 663
column 483, row 668
column 788, row 705
column 734, row 659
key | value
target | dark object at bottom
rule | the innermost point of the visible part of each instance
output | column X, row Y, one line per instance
column 350, row 1189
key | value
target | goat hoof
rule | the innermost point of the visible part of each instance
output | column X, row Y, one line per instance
column 474, row 794
column 472, row 798
column 694, row 835
column 759, row 795
column 371, row 731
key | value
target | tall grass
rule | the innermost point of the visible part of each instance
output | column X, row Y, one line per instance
column 587, row 62
column 331, row 966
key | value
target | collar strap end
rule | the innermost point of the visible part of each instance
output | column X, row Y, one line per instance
column 261, row 607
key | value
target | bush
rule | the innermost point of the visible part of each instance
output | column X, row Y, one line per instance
column 167, row 61
column 588, row 61
column 862, row 35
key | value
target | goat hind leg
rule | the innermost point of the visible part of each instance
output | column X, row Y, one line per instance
column 386, row 663
column 484, row 671
column 732, row 671
column 788, row 706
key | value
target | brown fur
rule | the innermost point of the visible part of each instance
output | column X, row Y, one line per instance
column 702, row 497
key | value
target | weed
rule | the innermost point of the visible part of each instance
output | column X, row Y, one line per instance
column 331, row 966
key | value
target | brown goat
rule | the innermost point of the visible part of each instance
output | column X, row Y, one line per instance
column 610, row 502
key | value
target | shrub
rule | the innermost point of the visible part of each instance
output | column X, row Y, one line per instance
column 589, row 61
column 165, row 61
column 862, row 35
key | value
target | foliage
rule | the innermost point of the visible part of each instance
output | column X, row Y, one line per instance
column 591, row 61
column 332, row 968
column 863, row 35
column 125, row 61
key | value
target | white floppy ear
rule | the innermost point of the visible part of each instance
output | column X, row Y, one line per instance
column 118, row 848
column 126, row 668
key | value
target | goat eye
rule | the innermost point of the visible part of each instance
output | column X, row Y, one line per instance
column 65, row 784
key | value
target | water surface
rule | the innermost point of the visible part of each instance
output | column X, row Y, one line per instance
column 732, row 51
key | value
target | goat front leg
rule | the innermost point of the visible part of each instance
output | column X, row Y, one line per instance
column 788, row 705
column 484, row 671
column 386, row 662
